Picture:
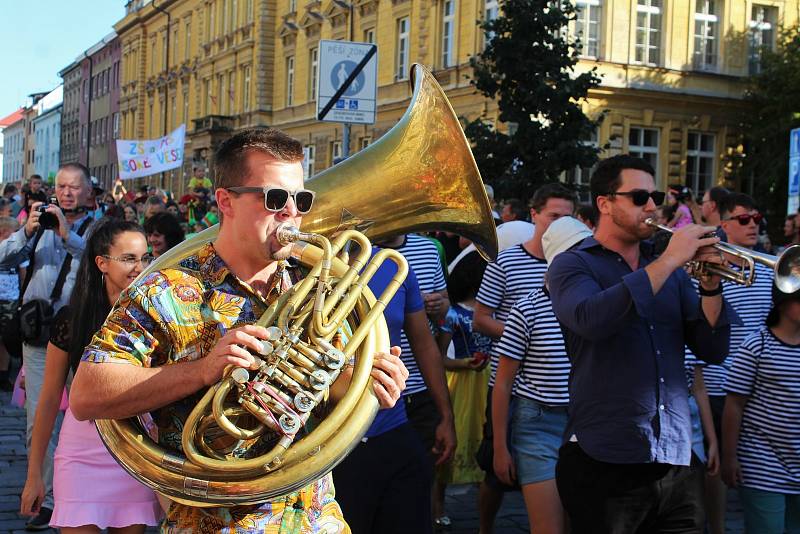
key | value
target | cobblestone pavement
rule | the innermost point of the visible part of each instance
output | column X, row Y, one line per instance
column 461, row 501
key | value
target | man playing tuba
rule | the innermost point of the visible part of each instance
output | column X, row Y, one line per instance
column 179, row 328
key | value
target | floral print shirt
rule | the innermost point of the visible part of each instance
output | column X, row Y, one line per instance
column 177, row 315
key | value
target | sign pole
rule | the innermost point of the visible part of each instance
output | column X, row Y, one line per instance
column 346, row 141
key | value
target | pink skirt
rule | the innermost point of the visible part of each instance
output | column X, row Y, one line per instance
column 90, row 488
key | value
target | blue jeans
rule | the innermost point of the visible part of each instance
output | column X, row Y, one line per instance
column 767, row 512
column 537, row 431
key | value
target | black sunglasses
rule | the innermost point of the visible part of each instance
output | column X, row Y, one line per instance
column 641, row 196
column 744, row 218
column 275, row 198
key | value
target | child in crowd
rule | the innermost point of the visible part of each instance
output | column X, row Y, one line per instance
column 761, row 421
column 467, row 379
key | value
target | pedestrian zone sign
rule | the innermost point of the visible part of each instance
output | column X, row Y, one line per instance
column 794, row 172
column 347, row 84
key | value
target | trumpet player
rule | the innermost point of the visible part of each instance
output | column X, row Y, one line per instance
column 172, row 334
column 740, row 221
column 624, row 466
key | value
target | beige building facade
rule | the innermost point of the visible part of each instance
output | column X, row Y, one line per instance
column 672, row 71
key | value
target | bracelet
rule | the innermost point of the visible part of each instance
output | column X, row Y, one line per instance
column 710, row 292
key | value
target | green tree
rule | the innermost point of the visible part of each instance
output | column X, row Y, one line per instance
column 773, row 110
column 528, row 66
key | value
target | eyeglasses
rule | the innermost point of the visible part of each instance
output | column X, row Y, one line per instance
column 744, row 218
column 641, row 196
column 131, row 260
column 275, row 198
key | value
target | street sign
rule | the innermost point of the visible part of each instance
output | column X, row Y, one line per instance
column 794, row 172
column 347, row 84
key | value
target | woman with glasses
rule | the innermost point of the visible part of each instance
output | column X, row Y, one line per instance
column 91, row 490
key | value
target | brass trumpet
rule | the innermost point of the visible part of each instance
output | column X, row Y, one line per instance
column 786, row 266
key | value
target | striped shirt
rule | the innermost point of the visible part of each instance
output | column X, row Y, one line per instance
column 423, row 256
column 767, row 371
column 514, row 274
column 533, row 337
column 752, row 304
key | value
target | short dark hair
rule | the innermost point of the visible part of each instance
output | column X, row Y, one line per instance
column 9, row 188
column 718, row 194
column 81, row 168
column 553, row 190
column 736, row 199
column 167, row 225
column 587, row 212
column 231, row 165
column 39, row 176
column 517, row 207
column 465, row 279
column 607, row 177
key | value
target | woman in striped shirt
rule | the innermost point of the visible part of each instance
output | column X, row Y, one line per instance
column 533, row 368
column 761, row 421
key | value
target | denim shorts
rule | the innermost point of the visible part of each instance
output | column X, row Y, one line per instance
column 537, row 432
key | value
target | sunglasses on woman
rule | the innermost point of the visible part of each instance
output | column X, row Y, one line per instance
column 641, row 196
column 744, row 218
column 275, row 198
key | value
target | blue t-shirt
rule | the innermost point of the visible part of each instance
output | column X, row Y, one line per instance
column 408, row 299
column 466, row 341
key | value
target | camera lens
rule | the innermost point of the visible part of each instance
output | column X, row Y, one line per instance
column 48, row 220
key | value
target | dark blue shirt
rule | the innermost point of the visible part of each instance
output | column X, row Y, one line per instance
column 627, row 387
column 408, row 299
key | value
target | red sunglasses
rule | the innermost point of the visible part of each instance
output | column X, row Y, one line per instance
column 744, row 219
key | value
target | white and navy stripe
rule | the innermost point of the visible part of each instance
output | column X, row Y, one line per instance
column 423, row 256
column 767, row 371
column 514, row 274
column 533, row 337
column 752, row 304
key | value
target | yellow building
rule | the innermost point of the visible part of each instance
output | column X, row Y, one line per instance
column 671, row 87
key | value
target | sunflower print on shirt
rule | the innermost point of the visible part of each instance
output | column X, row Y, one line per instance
column 177, row 315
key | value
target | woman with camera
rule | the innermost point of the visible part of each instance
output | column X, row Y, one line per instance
column 115, row 254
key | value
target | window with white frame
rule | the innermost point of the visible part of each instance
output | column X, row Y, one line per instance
column 246, row 89
column 292, row 6
column 336, row 151
column 587, row 26
column 706, row 34
column 648, row 31
column 187, row 45
column 369, row 35
column 401, row 58
column 762, row 34
column 643, row 143
column 700, row 157
column 313, row 71
column 289, row 80
column 185, row 104
column 448, row 32
column 364, row 142
column 231, row 95
column 491, row 10
column 309, row 152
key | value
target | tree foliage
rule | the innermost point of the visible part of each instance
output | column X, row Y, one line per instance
column 528, row 66
column 773, row 110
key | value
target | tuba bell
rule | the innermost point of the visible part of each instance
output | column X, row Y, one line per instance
column 419, row 176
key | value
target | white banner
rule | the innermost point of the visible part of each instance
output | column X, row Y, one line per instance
column 152, row 156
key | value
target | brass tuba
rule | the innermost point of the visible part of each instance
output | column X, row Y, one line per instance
column 419, row 176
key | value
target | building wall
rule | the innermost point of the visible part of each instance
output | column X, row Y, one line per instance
column 686, row 109
column 48, row 143
column 70, row 121
column 14, row 152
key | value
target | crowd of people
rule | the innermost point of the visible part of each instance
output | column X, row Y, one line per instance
column 583, row 366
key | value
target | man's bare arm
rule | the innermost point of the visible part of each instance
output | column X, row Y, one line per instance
column 483, row 322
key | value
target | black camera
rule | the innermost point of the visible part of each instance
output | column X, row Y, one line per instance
column 47, row 220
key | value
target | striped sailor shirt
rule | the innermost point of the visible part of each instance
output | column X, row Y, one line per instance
column 767, row 371
column 533, row 337
column 514, row 274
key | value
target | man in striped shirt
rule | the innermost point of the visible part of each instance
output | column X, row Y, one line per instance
column 740, row 220
column 516, row 271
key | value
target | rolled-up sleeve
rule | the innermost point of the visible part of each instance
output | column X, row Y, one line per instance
column 75, row 244
column 583, row 306
column 16, row 249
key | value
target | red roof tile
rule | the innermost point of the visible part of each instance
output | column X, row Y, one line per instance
column 11, row 119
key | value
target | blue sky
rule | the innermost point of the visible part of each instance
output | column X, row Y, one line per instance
column 38, row 38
